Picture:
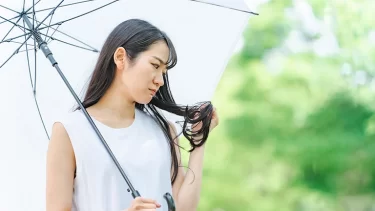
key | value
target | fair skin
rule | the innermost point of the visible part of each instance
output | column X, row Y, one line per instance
column 133, row 83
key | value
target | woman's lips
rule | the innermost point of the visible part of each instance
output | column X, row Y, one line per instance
column 153, row 91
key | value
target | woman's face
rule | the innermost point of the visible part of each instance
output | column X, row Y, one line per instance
column 142, row 78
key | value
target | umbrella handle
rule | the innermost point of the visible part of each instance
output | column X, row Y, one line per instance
column 171, row 205
column 48, row 54
column 167, row 196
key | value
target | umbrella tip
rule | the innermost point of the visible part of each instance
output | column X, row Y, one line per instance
column 96, row 51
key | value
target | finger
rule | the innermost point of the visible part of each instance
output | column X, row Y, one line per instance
column 140, row 200
column 147, row 200
column 145, row 206
column 214, row 112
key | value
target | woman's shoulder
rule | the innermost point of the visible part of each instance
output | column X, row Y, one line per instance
column 69, row 117
column 150, row 120
column 71, row 121
column 145, row 118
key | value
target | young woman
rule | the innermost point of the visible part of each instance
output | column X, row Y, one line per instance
column 128, row 87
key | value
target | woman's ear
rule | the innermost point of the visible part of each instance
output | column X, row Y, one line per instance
column 120, row 58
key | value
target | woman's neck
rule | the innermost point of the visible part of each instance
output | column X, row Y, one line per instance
column 114, row 105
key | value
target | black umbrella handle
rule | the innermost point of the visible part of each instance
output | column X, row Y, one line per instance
column 171, row 205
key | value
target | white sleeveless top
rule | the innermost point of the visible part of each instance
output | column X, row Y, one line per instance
column 143, row 151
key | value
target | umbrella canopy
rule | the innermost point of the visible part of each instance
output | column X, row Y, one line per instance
column 204, row 33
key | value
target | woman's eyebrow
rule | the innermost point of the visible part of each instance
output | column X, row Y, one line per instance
column 161, row 61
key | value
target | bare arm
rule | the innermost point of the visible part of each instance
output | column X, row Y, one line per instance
column 60, row 171
column 187, row 187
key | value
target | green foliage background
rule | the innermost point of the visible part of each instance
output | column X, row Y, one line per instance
column 297, row 125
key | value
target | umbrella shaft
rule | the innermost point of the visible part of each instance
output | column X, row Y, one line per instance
column 33, row 30
column 41, row 43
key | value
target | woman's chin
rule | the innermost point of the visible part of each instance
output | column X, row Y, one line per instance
column 145, row 100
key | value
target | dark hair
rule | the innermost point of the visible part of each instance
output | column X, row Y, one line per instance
column 136, row 36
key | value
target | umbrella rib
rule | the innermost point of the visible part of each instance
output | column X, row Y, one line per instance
column 231, row 8
column 21, row 43
column 34, row 88
column 61, row 22
column 49, row 39
column 56, row 29
column 53, row 11
column 32, row 7
column 27, row 11
column 19, row 16
column 31, row 82
column 23, row 29
column 65, row 5
column 8, row 20
column 16, row 51
column 52, row 38
column 25, row 42
column 30, row 30
column 40, row 115
column 50, row 20
column 13, row 38
column 25, row 50
column 9, row 9
column 11, row 29
column 35, row 62
column 35, row 50
column 28, row 61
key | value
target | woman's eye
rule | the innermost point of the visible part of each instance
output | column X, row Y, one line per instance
column 156, row 66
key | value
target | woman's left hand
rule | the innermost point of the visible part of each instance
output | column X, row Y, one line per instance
column 214, row 119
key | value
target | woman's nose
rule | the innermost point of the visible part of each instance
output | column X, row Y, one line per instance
column 159, row 80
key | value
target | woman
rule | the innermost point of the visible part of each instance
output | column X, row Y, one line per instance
column 128, row 86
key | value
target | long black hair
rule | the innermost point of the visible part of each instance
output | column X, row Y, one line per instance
column 136, row 36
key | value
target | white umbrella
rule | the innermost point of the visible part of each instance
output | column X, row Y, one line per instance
column 204, row 33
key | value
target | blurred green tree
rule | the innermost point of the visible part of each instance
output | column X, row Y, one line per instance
column 297, row 112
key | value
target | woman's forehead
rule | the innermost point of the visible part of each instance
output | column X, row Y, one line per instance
column 159, row 51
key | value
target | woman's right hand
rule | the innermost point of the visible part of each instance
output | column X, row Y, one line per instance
column 143, row 204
